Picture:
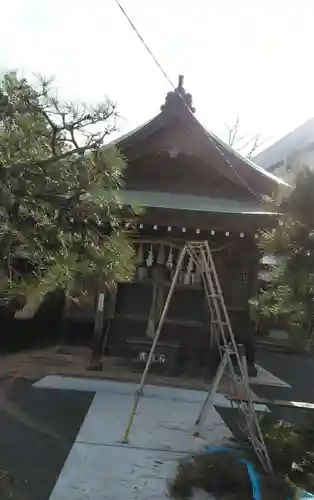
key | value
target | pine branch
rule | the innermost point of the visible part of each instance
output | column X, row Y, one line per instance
column 52, row 226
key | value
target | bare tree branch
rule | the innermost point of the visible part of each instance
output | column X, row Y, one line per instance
column 233, row 131
column 79, row 125
column 74, row 141
column 76, row 151
column 256, row 144
column 235, row 140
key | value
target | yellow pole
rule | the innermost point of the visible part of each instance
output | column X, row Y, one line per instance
column 132, row 416
column 139, row 391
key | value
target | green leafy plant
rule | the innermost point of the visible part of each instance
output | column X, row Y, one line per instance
column 291, row 450
column 207, row 471
column 225, row 477
column 60, row 217
column 289, row 297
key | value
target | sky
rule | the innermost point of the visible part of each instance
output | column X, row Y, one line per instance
column 253, row 57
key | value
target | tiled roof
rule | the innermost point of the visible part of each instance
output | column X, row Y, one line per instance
column 219, row 146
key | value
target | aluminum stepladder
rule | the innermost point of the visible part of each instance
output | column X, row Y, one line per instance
column 222, row 331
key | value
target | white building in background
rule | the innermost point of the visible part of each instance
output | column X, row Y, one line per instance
column 286, row 157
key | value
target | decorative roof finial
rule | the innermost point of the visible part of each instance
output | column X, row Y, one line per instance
column 178, row 98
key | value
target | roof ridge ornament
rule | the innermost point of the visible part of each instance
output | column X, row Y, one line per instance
column 177, row 98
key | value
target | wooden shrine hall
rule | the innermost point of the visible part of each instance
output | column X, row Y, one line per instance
column 191, row 186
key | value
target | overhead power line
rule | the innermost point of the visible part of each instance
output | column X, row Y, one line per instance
column 173, row 86
column 144, row 43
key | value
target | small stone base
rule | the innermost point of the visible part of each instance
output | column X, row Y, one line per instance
column 95, row 367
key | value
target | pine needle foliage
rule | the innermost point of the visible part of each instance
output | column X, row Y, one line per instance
column 289, row 298
column 56, row 223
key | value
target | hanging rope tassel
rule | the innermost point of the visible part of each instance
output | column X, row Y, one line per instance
column 169, row 263
column 188, row 274
column 150, row 258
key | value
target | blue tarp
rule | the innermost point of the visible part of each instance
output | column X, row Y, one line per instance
column 253, row 474
column 305, row 495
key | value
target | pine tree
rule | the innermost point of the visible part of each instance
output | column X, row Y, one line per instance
column 289, row 298
column 60, row 218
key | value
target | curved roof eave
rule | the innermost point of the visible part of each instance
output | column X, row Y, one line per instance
column 249, row 162
column 129, row 134
column 159, row 120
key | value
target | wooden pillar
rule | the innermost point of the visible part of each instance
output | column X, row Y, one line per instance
column 96, row 354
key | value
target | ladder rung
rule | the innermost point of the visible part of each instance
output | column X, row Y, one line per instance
column 202, row 253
